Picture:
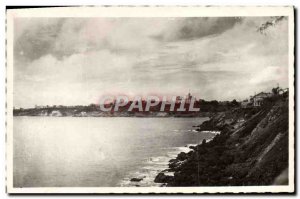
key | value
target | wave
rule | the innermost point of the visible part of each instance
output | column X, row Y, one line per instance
column 196, row 131
column 212, row 132
column 144, row 177
column 150, row 168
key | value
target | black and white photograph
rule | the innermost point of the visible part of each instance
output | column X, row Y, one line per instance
column 150, row 100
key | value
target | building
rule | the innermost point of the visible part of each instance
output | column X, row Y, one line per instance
column 39, row 107
column 259, row 98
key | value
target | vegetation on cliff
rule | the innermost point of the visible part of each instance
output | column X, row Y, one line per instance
column 252, row 149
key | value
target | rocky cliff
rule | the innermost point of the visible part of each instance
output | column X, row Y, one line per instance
column 252, row 149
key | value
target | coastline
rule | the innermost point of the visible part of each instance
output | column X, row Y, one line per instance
column 146, row 174
column 74, row 113
column 252, row 149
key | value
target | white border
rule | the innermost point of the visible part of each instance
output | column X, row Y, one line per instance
column 163, row 11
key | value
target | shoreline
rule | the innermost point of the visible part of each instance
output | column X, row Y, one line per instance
column 198, row 116
column 166, row 175
column 56, row 112
column 251, row 149
column 146, row 175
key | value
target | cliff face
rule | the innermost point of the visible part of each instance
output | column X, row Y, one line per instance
column 252, row 149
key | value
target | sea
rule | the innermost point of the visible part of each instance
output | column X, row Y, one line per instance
column 98, row 151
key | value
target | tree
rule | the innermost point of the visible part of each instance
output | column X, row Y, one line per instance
column 275, row 91
column 234, row 103
column 270, row 23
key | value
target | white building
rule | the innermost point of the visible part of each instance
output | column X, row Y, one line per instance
column 258, row 99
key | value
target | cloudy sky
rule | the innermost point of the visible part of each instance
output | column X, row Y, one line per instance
column 72, row 61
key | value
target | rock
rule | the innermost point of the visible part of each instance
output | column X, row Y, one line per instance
column 136, row 179
column 162, row 178
column 181, row 156
column 173, row 164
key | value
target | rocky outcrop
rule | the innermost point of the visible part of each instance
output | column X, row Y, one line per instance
column 252, row 149
column 136, row 179
column 163, row 178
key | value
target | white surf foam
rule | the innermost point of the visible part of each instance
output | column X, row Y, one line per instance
column 151, row 167
column 212, row 132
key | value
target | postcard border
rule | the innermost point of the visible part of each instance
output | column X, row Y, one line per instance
column 147, row 11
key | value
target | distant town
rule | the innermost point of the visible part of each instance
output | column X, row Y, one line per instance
column 206, row 107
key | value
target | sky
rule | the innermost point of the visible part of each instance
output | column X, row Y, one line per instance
column 76, row 61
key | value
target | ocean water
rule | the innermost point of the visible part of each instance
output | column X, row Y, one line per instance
column 97, row 151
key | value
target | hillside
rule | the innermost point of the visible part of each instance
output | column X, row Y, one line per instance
column 252, row 149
